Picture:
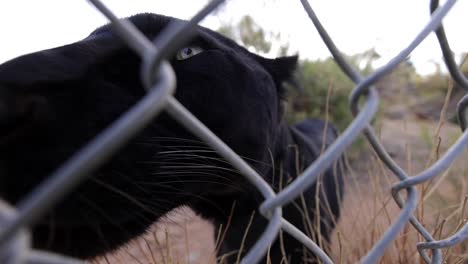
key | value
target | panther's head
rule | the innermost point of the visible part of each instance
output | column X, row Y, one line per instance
column 54, row 101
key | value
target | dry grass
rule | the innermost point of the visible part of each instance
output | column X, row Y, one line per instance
column 369, row 210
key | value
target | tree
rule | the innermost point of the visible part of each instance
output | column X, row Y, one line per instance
column 250, row 35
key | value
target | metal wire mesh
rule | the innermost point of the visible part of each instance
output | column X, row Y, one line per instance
column 158, row 77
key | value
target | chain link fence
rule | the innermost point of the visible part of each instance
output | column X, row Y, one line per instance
column 159, row 80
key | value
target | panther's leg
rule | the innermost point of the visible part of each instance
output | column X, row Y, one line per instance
column 325, row 197
column 311, row 134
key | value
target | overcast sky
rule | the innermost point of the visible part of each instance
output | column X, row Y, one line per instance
column 357, row 25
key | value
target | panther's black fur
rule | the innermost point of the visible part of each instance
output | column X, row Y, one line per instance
column 52, row 102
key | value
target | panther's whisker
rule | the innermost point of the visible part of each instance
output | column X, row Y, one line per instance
column 227, row 184
column 92, row 205
column 130, row 181
column 201, row 148
column 97, row 226
column 184, row 164
column 167, row 174
column 100, row 234
column 178, row 191
column 178, row 139
column 123, row 194
column 211, row 151
column 166, row 146
column 196, row 181
column 196, row 166
column 183, row 175
column 188, row 156
column 187, row 149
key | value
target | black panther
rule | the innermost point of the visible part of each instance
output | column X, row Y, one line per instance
column 53, row 102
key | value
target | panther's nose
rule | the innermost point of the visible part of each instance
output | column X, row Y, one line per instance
column 18, row 114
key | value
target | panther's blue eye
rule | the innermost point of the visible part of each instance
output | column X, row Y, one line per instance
column 188, row 52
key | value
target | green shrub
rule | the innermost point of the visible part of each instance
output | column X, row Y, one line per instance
column 315, row 79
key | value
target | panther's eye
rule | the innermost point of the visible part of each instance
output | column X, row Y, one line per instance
column 188, row 52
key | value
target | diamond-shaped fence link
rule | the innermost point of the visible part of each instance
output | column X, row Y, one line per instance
column 159, row 80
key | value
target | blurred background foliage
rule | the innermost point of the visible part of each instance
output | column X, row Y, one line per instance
column 404, row 92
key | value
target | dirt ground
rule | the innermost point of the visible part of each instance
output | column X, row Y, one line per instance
column 182, row 237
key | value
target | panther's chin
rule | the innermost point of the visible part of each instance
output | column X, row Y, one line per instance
column 80, row 213
column 86, row 239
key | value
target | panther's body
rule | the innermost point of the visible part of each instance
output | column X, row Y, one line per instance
column 55, row 101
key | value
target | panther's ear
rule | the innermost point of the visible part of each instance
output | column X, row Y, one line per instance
column 281, row 69
column 69, row 62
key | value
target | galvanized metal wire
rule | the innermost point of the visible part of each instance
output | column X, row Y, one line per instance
column 159, row 80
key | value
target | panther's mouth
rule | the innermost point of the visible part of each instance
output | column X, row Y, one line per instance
column 79, row 221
